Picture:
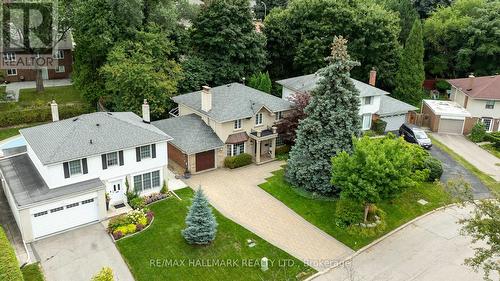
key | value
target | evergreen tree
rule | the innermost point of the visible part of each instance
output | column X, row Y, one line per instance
column 411, row 75
column 332, row 121
column 225, row 37
column 201, row 224
column 261, row 81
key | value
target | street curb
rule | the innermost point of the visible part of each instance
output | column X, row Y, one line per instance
column 350, row 257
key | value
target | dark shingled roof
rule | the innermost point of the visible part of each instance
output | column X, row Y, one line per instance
column 484, row 87
column 28, row 187
column 237, row 138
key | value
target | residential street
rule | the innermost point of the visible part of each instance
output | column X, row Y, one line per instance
column 430, row 248
column 235, row 193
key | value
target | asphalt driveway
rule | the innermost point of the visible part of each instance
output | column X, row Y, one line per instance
column 79, row 254
column 452, row 169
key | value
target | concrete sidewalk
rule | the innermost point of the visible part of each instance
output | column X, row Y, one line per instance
column 235, row 193
column 14, row 87
column 471, row 152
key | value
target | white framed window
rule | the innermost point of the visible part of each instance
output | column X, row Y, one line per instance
column 366, row 121
column 146, row 181
column 59, row 54
column 488, row 124
column 11, row 72
column 258, row 119
column 75, row 167
column 367, row 100
column 235, row 149
column 279, row 115
column 112, row 159
column 490, row 104
column 60, row 69
column 9, row 56
column 237, row 124
column 145, row 151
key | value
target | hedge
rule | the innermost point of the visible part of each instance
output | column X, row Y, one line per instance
column 9, row 267
column 378, row 126
column 494, row 138
column 40, row 114
column 238, row 161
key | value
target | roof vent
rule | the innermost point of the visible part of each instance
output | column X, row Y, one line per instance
column 109, row 113
column 75, row 119
column 90, row 141
column 97, row 124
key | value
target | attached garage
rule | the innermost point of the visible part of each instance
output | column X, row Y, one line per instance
column 394, row 122
column 393, row 112
column 205, row 160
column 450, row 126
column 445, row 117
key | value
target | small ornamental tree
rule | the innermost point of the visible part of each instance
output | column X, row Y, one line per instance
column 287, row 127
column 478, row 132
column 201, row 224
column 377, row 169
column 332, row 120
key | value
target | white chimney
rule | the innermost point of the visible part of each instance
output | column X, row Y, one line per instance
column 55, row 111
column 145, row 112
column 373, row 77
column 471, row 82
column 206, row 99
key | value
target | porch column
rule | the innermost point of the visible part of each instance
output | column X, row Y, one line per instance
column 257, row 152
column 273, row 150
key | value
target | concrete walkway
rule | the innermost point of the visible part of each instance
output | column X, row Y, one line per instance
column 14, row 87
column 471, row 152
column 235, row 193
column 430, row 248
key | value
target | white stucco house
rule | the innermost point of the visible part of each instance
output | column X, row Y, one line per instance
column 374, row 102
column 61, row 181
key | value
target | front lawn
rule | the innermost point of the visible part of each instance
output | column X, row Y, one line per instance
column 491, row 149
column 161, row 253
column 10, row 132
column 322, row 212
column 32, row 272
column 28, row 98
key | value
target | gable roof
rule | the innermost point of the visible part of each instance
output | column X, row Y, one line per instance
column 190, row 133
column 307, row 83
column 90, row 134
column 483, row 87
column 392, row 106
column 234, row 101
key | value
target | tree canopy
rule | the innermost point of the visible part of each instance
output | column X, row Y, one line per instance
column 261, row 81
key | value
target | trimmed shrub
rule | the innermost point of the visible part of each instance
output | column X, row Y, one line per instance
column 348, row 212
column 478, row 132
column 164, row 188
column 494, row 138
column 117, row 235
column 117, row 221
column 442, row 85
column 136, row 216
column 137, row 203
column 378, row 126
column 126, row 229
column 238, row 161
column 9, row 266
column 435, row 168
column 106, row 274
column 284, row 149
column 369, row 133
column 40, row 114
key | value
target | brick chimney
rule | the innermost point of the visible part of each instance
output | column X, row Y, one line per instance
column 206, row 99
column 145, row 112
column 373, row 77
column 55, row 111
column 471, row 82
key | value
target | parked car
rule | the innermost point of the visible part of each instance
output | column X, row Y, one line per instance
column 414, row 134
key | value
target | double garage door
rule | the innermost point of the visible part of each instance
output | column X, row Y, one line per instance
column 450, row 126
column 56, row 217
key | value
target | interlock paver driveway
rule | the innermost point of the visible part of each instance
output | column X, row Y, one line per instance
column 235, row 193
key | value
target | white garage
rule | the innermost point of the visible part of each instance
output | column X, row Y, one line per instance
column 393, row 112
column 451, row 126
column 445, row 116
column 394, row 122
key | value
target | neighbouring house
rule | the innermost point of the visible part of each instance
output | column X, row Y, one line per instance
column 61, row 54
column 444, row 116
column 227, row 120
column 70, row 167
column 374, row 102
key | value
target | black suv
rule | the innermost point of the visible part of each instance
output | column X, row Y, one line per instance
column 414, row 134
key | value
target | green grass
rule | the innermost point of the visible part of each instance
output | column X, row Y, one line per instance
column 491, row 183
column 29, row 98
column 491, row 149
column 163, row 241
column 321, row 213
column 10, row 132
column 32, row 272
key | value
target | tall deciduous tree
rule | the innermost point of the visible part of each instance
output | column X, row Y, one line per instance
column 201, row 224
column 377, row 169
column 411, row 73
column 263, row 7
column 332, row 121
column 299, row 36
column 141, row 69
column 225, row 37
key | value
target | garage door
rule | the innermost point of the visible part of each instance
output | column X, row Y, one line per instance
column 59, row 217
column 394, row 122
column 450, row 126
column 205, row 160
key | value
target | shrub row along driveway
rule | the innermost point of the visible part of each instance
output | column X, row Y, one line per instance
column 235, row 193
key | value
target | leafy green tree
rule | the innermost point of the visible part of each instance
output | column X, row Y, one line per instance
column 141, row 69
column 378, row 169
column 196, row 74
column 332, row 120
column 261, row 81
column 411, row 74
column 299, row 36
column 259, row 8
column 426, row 7
column 201, row 224
column 224, row 36
column 407, row 15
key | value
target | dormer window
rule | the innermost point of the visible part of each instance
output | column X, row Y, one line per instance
column 367, row 100
column 237, row 124
column 258, row 119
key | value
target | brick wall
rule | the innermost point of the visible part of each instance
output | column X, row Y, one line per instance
column 434, row 119
column 30, row 74
column 176, row 156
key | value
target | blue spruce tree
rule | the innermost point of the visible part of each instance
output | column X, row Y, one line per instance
column 201, row 224
column 332, row 120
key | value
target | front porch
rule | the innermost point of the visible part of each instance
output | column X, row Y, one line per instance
column 264, row 145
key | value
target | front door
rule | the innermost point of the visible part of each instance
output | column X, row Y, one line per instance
column 116, row 192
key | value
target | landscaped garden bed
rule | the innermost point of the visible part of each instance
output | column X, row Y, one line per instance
column 162, row 251
column 127, row 224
